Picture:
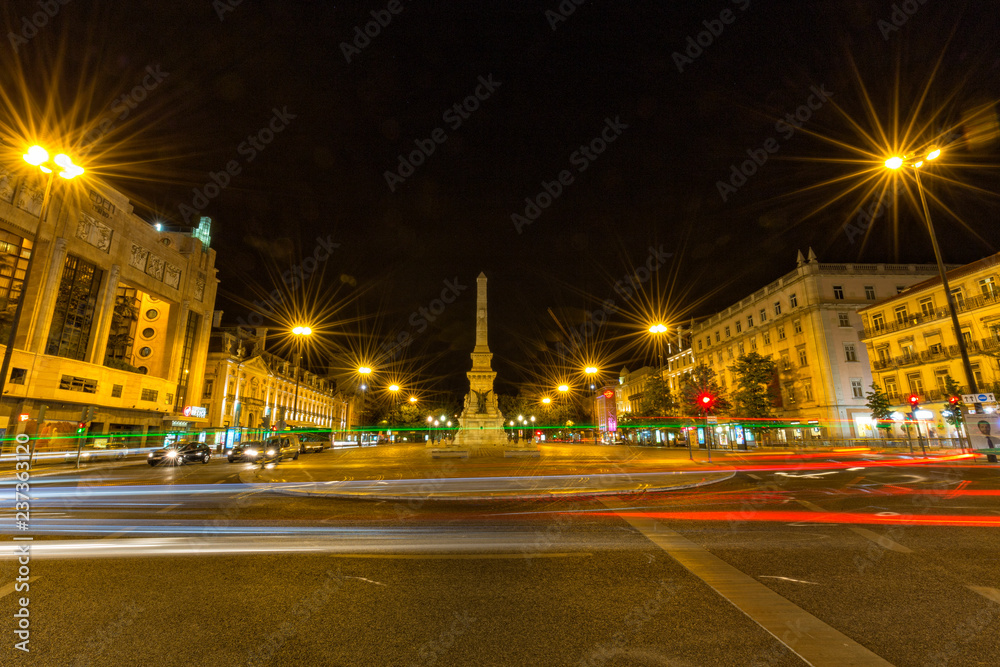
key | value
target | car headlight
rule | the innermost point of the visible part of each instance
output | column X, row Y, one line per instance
column 250, row 452
column 171, row 454
column 270, row 452
column 151, row 455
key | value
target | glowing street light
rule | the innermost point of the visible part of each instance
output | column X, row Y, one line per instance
column 591, row 370
column 364, row 370
column 658, row 328
column 563, row 388
column 546, row 400
column 413, row 399
column 38, row 157
column 394, row 388
column 895, row 163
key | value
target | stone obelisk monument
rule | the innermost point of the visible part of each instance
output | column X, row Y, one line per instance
column 481, row 423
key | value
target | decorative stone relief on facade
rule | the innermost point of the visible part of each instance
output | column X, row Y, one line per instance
column 199, row 287
column 93, row 232
column 6, row 185
column 172, row 276
column 154, row 267
column 138, row 257
column 30, row 200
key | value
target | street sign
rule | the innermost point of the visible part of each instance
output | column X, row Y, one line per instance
column 978, row 398
column 712, row 419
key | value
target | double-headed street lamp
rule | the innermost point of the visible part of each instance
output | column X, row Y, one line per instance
column 895, row 163
column 38, row 157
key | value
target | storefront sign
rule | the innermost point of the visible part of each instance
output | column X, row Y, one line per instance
column 195, row 411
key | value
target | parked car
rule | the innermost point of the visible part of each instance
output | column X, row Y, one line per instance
column 179, row 453
column 313, row 442
column 279, row 448
column 245, row 451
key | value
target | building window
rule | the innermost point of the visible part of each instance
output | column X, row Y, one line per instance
column 72, row 383
column 977, row 375
column 148, row 332
column 844, row 319
column 785, row 361
column 124, row 317
column 116, row 391
column 187, row 350
column 781, row 333
column 767, row 338
column 870, row 292
column 916, row 384
column 753, row 342
column 959, row 297
column 730, row 351
column 717, row 337
column 790, row 392
column 763, row 315
column 901, row 314
column 807, row 387
column 793, row 301
column 899, row 289
column 797, row 326
column 17, row 375
column 740, row 347
column 941, row 380
column 883, row 354
column 739, row 327
column 73, row 316
column 777, row 308
column 727, row 332
column 749, row 321
column 857, row 390
column 803, row 358
column 145, row 351
column 152, row 314
column 169, row 399
column 850, row 352
column 14, row 254
column 838, row 292
column 988, row 288
column 927, row 306
column 878, row 322
column 699, row 345
column 720, row 357
column 708, row 341
column 149, row 395
column 890, row 387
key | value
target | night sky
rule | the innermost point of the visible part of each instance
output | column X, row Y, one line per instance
column 640, row 124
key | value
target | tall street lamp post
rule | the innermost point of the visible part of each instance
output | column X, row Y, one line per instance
column 591, row 372
column 895, row 163
column 38, row 157
column 300, row 333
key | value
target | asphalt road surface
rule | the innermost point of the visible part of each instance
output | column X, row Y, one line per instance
column 892, row 564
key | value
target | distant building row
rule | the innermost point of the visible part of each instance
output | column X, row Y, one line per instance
column 833, row 330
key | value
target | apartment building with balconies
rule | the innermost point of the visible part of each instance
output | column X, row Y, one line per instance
column 912, row 345
column 808, row 321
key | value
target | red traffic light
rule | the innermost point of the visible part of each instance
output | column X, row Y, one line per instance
column 914, row 400
column 705, row 400
column 953, row 400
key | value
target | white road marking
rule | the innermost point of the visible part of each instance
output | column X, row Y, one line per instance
column 819, row 644
column 377, row 583
column 881, row 540
column 797, row 581
column 7, row 589
column 987, row 592
column 750, row 474
column 810, row 506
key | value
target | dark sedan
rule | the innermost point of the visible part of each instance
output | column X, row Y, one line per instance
column 179, row 453
column 246, row 451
